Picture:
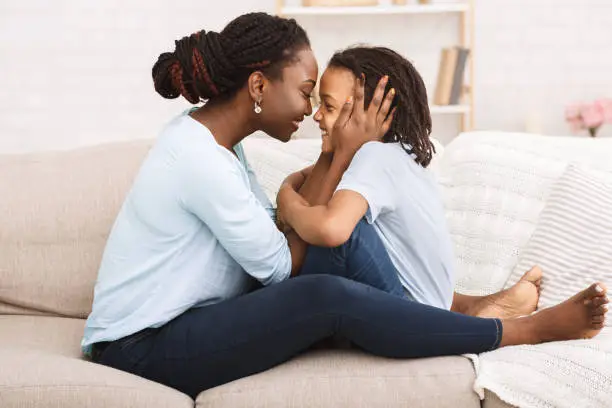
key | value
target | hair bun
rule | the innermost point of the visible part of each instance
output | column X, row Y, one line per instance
column 163, row 78
column 186, row 70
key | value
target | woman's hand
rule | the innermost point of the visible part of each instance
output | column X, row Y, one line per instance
column 281, row 224
column 356, row 126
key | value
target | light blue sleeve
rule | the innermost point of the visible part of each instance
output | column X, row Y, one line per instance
column 255, row 186
column 215, row 191
column 368, row 175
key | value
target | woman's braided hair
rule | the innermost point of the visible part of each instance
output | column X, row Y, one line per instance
column 208, row 65
column 411, row 125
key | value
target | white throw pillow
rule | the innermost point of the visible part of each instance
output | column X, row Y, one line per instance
column 494, row 186
column 272, row 160
column 572, row 242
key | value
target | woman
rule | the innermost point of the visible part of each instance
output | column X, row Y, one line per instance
column 191, row 235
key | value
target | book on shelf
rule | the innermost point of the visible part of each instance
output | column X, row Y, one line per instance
column 451, row 75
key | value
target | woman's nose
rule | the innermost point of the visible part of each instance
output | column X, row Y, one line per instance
column 318, row 116
column 309, row 109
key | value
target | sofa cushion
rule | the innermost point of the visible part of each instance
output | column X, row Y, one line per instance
column 46, row 380
column 56, row 335
column 46, row 370
column 494, row 186
column 56, row 211
column 351, row 379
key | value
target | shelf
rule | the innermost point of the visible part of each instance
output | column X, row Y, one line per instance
column 449, row 109
column 461, row 9
column 383, row 9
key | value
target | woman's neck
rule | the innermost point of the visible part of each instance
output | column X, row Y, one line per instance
column 228, row 121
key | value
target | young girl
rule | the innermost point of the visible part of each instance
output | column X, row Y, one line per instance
column 401, row 234
column 171, row 302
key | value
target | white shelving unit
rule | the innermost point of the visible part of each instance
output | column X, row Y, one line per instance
column 465, row 9
column 382, row 9
column 449, row 109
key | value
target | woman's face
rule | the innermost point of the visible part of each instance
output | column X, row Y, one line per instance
column 337, row 85
column 286, row 101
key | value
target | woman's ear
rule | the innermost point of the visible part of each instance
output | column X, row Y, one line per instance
column 256, row 83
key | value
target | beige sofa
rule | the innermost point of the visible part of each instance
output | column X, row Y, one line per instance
column 56, row 210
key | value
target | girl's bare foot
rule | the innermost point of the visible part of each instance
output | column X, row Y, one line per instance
column 580, row 317
column 518, row 300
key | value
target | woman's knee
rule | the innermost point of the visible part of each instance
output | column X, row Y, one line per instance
column 329, row 291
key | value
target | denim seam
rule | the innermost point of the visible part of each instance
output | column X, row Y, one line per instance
column 497, row 335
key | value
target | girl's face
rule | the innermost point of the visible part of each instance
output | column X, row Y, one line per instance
column 337, row 85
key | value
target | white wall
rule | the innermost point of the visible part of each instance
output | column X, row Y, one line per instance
column 78, row 72
column 536, row 56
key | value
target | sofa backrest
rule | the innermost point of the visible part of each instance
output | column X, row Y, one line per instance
column 494, row 186
column 56, row 211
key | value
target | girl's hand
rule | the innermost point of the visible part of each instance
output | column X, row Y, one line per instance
column 356, row 125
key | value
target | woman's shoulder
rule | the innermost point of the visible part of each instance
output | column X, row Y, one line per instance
column 183, row 135
column 186, row 142
column 183, row 128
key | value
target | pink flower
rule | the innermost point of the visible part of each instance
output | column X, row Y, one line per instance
column 576, row 125
column 572, row 112
column 593, row 115
column 574, row 117
column 605, row 105
column 590, row 116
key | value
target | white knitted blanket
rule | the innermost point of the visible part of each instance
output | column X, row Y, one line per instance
column 568, row 374
column 495, row 186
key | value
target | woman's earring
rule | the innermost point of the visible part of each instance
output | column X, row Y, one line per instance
column 257, row 108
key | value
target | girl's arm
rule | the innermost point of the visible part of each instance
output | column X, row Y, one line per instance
column 316, row 187
column 327, row 225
